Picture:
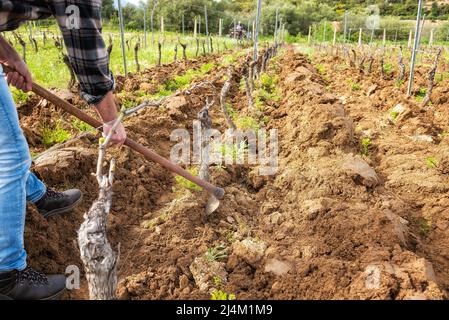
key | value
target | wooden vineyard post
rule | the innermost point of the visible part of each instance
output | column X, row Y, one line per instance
column 153, row 10
column 410, row 37
column 420, row 36
column 207, row 27
column 384, row 38
column 396, row 36
column 183, row 25
column 310, row 36
column 360, row 37
column 162, row 29
column 372, row 37
column 276, row 27
column 324, row 32
column 122, row 36
column 220, row 27
column 415, row 50
column 345, row 26
column 431, row 37
column 195, row 28
column 334, row 41
column 401, row 63
column 254, row 31
column 256, row 39
column 145, row 26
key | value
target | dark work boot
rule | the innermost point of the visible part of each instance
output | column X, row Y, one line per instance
column 30, row 285
column 53, row 203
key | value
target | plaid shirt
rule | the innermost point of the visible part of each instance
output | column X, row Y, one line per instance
column 85, row 45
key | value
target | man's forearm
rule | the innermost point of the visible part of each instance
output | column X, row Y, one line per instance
column 7, row 52
column 107, row 108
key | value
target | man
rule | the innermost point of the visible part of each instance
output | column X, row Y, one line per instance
column 89, row 59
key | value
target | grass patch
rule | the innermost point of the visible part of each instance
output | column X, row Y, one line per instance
column 19, row 96
column 421, row 94
column 400, row 83
column 52, row 136
column 247, row 123
column 216, row 253
column 388, row 68
column 183, row 183
column 354, row 86
column 82, row 126
column 222, row 296
column 425, row 227
column 365, row 146
column 394, row 115
column 431, row 162
column 321, row 69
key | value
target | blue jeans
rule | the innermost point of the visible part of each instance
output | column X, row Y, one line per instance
column 17, row 183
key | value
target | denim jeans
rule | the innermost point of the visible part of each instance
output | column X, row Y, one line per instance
column 17, row 183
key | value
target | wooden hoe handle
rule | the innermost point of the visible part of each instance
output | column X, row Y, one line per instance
column 146, row 152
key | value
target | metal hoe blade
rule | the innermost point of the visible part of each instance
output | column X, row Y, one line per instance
column 212, row 205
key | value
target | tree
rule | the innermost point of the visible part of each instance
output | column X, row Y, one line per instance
column 108, row 10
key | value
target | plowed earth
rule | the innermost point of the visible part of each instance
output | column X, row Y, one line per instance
column 331, row 224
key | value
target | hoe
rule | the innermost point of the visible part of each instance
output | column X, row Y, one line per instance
column 216, row 193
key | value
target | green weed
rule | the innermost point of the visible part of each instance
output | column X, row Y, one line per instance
column 425, row 227
column 421, row 94
column 365, row 146
column 394, row 115
column 354, row 86
column 19, row 96
column 82, row 126
column 223, row 296
column 247, row 123
column 400, row 83
column 388, row 68
column 431, row 163
column 52, row 136
column 216, row 253
column 321, row 69
column 183, row 183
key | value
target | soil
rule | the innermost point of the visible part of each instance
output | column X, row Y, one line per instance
column 331, row 224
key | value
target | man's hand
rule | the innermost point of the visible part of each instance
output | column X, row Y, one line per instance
column 108, row 112
column 119, row 136
column 21, row 76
